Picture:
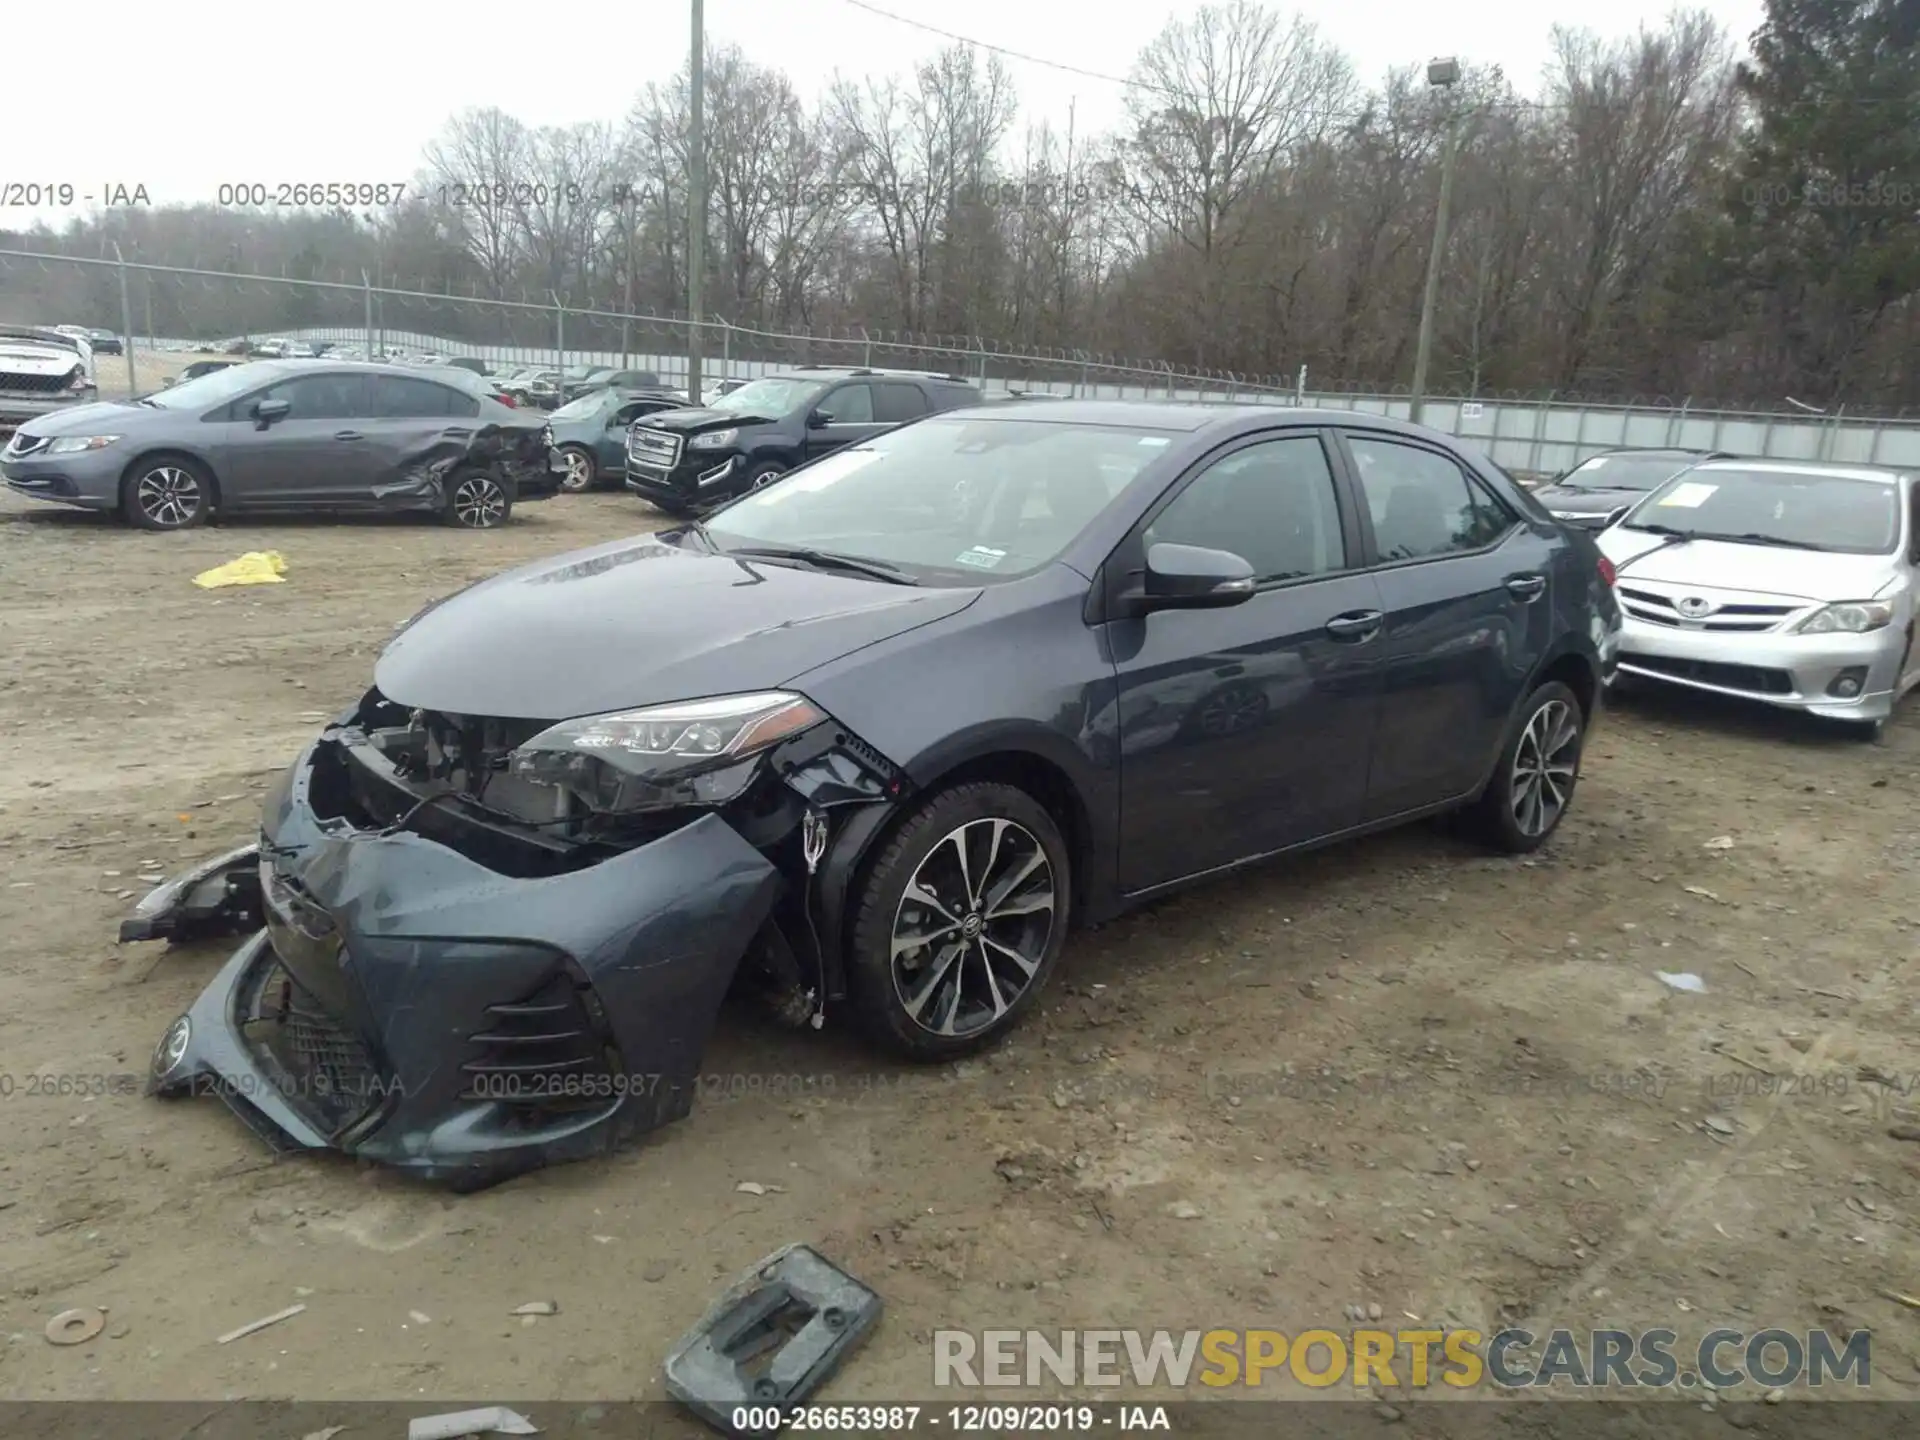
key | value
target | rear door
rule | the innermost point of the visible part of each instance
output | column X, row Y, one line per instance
column 1464, row 584
column 317, row 455
column 895, row 402
column 849, row 412
column 417, row 424
column 1247, row 729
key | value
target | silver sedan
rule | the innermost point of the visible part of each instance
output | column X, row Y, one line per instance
column 1786, row 582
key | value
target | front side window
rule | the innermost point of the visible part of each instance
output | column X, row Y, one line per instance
column 318, row 397
column 850, row 405
column 1274, row 504
column 948, row 500
column 1422, row 504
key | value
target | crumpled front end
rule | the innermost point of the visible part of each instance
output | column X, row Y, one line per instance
column 456, row 980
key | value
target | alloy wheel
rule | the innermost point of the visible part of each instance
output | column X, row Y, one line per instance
column 761, row 482
column 579, row 471
column 168, row 496
column 479, row 503
column 973, row 927
column 1544, row 765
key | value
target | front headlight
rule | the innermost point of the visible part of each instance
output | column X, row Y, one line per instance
column 1848, row 617
column 73, row 444
column 713, row 440
column 691, row 752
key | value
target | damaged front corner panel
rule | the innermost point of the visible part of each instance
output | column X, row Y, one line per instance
column 772, row 1339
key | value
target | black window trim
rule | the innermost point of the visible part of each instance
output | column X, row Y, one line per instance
column 1127, row 560
column 1476, row 485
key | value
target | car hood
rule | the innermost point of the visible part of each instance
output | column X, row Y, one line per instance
column 1584, row 501
column 1758, row 569
column 639, row 622
column 116, row 416
column 695, row 418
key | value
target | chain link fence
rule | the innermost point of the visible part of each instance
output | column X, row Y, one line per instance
column 170, row 317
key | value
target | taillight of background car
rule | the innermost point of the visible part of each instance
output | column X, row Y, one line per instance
column 1607, row 572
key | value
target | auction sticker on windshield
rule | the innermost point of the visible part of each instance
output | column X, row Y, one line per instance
column 1690, row 496
column 980, row 557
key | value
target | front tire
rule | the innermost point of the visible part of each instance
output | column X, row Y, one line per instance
column 167, row 492
column 959, row 921
column 1534, row 780
column 477, row 500
column 763, row 474
column 580, row 473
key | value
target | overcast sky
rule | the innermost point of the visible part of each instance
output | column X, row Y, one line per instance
column 183, row 99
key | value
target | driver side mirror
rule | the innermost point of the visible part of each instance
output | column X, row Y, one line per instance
column 819, row 420
column 1188, row 577
column 265, row 412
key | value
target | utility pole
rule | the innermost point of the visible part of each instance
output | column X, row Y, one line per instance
column 696, row 196
column 1442, row 75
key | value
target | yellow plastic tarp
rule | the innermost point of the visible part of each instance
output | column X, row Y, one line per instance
column 256, row 567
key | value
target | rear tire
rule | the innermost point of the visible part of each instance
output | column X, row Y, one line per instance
column 981, row 879
column 1534, row 779
column 477, row 500
column 166, row 492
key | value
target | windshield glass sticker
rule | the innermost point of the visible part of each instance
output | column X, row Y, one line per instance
column 1153, row 441
column 1690, row 496
column 980, row 557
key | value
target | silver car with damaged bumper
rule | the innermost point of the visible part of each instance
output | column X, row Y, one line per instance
column 41, row 372
column 1786, row 582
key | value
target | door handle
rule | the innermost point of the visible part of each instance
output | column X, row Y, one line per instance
column 1527, row 587
column 1355, row 626
column 348, row 435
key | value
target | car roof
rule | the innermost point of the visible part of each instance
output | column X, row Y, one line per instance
column 1220, row 417
column 1818, row 469
column 1677, row 452
column 844, row 372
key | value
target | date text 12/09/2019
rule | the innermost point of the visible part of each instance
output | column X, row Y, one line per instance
column 962, row 1419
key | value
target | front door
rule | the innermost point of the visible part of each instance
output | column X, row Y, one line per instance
column 848, row 412
column 1245, row 730
column 1464, row 584
column 314, row 455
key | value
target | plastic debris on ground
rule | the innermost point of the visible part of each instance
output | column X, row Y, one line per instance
column 773, row 1338
column 494, row 1420
column 1692, row 984
column 256, row 567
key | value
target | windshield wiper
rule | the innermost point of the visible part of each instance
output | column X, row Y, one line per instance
column 1753, row 537
column 827, row 560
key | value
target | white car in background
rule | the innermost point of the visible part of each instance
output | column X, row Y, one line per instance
column 1786, row 582
column 42, row 371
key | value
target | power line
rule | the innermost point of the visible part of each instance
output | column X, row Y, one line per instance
column 1128, row 83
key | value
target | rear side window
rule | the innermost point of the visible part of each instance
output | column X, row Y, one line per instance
column 1422, row 504
column 954, row 397
column 398, row 398
column 897, row 401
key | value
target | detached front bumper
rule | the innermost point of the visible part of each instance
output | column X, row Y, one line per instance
column 409, row 1005
column 1834, row 676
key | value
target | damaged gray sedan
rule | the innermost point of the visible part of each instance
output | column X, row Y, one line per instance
column 288, row 435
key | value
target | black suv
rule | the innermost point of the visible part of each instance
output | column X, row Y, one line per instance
column 690, row 460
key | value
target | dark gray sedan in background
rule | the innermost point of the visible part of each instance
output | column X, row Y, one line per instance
column 1603, row 487
column 283, row 435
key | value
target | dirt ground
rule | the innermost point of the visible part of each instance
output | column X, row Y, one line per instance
column 1400, row 1074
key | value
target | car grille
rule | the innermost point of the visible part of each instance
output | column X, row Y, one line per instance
column 1658, row 609
column 1752, row 679
column 326, row 1070
column 547, row 1051
column 654, row 449
column 16, row 384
